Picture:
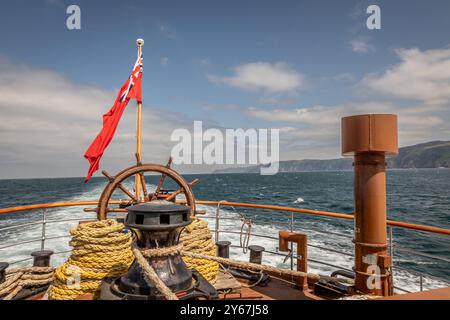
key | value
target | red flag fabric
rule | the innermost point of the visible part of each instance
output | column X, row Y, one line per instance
column 132, row 88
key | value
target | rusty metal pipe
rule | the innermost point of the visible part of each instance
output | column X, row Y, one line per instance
column 370, row 219
column 369, row 138
column 370, row 198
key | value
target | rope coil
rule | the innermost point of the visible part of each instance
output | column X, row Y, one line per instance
column 100, row 249
column 20, row 278
column 197, row 238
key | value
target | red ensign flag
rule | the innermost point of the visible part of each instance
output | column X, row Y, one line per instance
column 132, row 88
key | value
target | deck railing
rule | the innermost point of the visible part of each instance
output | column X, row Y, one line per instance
column 393, row 247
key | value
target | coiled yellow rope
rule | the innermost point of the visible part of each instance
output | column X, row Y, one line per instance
column 197, row 238
column 100, row 249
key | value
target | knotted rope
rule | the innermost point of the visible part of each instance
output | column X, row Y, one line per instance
column 197, row 238
column 100, row 249
column 20, row 278
column 149, row 272
column 244, row 237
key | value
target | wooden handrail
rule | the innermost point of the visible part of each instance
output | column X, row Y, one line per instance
column 399, row 224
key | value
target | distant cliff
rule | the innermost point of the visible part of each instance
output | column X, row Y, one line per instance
column 434, row 154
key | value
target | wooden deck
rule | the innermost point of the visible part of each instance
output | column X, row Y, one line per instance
column 275, row 290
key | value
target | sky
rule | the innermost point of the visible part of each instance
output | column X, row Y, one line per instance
column 298, row 66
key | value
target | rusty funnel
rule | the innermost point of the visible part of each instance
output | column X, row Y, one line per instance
column 369, row 139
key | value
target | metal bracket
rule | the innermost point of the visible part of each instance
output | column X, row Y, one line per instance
column 286, row 237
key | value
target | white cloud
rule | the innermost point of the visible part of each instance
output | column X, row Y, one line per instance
column 319, row 115
column 346, row 77
column 421, row 75
column 302, row 115
column 164, row 61
column 205, row 62
column 47, row 122
column 361, row 45
column 218, row 106
column 321, row 125
column 167, row 31
column 271, row 77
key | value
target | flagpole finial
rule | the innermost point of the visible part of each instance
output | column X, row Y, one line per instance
column 140, row 42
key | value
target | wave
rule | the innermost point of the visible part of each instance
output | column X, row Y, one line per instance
column 299, row 200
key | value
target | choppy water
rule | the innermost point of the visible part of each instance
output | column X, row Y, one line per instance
column 417, row 196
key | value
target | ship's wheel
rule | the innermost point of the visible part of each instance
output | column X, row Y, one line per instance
column 117, row 183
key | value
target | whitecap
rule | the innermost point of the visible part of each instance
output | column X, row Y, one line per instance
column 299, row 200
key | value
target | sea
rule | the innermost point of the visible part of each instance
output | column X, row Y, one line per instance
column 422, row 196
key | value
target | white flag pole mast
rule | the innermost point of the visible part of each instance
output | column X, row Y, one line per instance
column 140, row 43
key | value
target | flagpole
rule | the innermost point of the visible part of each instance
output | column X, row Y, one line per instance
column 140, row 43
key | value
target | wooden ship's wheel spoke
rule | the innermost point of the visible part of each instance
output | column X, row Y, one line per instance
column 173, row 195
column 120, row 186
column 144, row 186
column 161, row 181
column 116, row 182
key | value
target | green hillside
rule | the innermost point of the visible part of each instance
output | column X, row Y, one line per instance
column 434, row 154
